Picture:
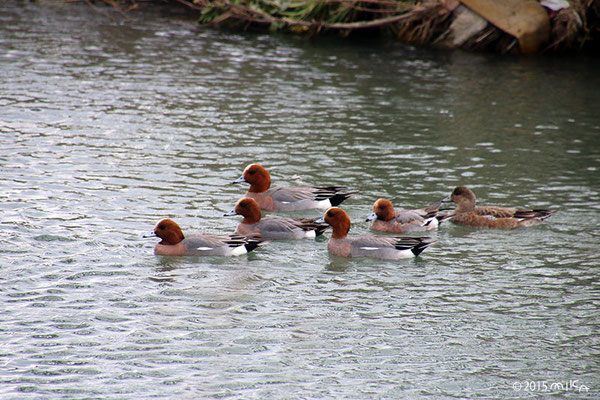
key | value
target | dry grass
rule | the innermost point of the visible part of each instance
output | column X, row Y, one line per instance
column 423, row 22
column 573, row 27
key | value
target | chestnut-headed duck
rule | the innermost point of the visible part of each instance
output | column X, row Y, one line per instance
column 273, row 227
column 385, row 219
column 174, row 243
column 387, row 247
column 467, row 213
column 289, row 198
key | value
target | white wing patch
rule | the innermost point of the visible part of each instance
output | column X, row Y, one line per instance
column 204, row 248
column 369, row 248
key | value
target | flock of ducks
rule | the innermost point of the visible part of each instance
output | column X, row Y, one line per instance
column 255, row 230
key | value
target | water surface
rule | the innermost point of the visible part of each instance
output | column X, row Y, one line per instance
column 108, row 126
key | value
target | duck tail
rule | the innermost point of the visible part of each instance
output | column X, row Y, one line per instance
column 443, row 217
column 543, row 214
column 338, row 198
column 311, row 224
column 434, row 207
column 539, row 214
column 335, row 194
column 422, row 244
column 252, row 244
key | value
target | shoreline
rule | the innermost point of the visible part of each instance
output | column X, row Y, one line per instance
column 509, row 27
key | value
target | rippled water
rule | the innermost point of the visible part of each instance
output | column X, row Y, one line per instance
column 108, row 126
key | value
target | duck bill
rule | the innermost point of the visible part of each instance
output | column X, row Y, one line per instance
column 446, row 199
column 239, row 180
column 371, row 217
column 230, row 213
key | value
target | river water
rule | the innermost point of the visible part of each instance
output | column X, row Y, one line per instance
column 107, row 126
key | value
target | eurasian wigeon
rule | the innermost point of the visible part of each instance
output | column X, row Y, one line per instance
column 385, row 219
column 467, row 213
column 388, row 247
column 273, row 227
column 174, row 243
column 289, row 198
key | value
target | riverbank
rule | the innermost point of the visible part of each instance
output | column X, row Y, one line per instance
column 511, row 26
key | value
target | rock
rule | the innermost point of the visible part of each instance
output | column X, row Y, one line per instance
column 465, row 25
column 526, row 20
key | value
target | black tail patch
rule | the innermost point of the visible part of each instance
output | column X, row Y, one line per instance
column 414, row 244
column 250, row 242
column 253, row 244
column 422, row 245
column 335, row 194
column 338, row 198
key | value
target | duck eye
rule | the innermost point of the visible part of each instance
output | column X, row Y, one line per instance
column 161, row 227
column 330, row 214
column 252, row 172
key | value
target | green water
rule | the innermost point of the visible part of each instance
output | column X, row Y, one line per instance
column 107, row 127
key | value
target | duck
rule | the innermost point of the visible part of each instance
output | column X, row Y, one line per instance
column 273, row 227
column 289, row 198
column 468, row 214
column 366, row 245
column 385, row 219
column 174, row 243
